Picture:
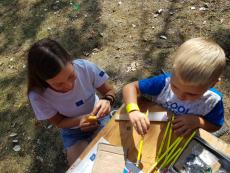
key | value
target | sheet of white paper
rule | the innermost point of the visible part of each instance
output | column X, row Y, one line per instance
column 153, row 116
column 86, row 165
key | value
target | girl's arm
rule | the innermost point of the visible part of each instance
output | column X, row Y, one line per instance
column 61, row 121
column 106, row 90
column 103, row 107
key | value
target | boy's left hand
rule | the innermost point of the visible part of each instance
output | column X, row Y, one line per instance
column 102, row 108
column 184, row 125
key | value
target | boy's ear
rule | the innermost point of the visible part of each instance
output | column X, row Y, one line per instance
column 217, row 81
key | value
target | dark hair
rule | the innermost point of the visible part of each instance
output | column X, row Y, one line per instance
column 45, row 60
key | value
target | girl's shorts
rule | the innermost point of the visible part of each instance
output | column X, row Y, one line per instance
column 72, row 136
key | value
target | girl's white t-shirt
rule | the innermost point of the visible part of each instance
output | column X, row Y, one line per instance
column 76, row 102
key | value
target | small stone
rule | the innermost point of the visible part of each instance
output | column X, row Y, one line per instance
column 206, row 5
column 55, row 7
column 71, row 3
column 39, row 158
column 57, row 1
column 202, row 9
column 159, row 11
column 49, row 29
column 153, row 27
column 95, row 50
column 28, row 138
column 86, row 53
column 1, row 63
column 204, row 22
column 133, row 25
column 13, row 134
column 193, row 8
column 86, row 15
column 101, row 34
column 163, row 37
column 45, row 9
column 17, row 148
column 24, row 66
column 221, row 21
column 155, row 15
column 49, row 126
column 13, row 125
column 55, row 12
column 11, row 59
column 15, row 141
column 119, row 3
column 171, row 13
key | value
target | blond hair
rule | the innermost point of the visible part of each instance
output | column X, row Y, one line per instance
column 199, row 61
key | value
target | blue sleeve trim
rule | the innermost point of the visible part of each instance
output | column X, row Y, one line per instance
column 216, row 116
column 216, row 91
column 154, row 85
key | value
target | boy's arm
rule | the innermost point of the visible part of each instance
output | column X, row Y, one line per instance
column 210, row 127
column 210, row 122
column 130, row 92
column 138, row 119
column 183, row 125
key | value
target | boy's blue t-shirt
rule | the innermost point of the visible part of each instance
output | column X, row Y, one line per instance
column 209, row 106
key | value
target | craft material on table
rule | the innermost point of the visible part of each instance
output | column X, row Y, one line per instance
column 141, row 144
column 109, row 158
column 198, row 156
column 153, row 116
column 131, row 168
column 86, row 165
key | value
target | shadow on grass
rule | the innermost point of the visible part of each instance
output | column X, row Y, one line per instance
column 45, row 146
column 222, row 37
column 17, row 27
column 158, row 48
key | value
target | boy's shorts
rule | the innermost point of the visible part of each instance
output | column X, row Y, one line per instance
column 72, row 136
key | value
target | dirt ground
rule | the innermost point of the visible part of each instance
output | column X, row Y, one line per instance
column 130, row 39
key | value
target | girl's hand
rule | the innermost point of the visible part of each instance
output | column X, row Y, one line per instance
column 139, row 121
column 185, row 124
column 87, row 126
column 102, row 108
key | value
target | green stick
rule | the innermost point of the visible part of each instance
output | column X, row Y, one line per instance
column 171, row 158
column 185, row 145
column 171, row 153
column 163, row 140
column 170, row 135
column 163, row 155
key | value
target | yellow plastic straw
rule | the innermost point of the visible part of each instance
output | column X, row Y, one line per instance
column 170, row 154
column 171, row 158
column 141, row 144
column 185, row 145
column 170, row 133
column 163, row 140
column 163, row 155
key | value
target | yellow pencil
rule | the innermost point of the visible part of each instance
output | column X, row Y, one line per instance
column 141, row 144
column 163, row 141
column 185, row 145
column 178, row 140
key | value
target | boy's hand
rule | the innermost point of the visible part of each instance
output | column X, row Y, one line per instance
column 139, row 121
column 87, row 125
column 183, row 125
column 102, row 108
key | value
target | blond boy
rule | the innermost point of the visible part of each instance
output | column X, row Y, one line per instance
column 198, row 64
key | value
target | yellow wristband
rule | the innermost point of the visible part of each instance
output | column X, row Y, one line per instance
column 131, row 107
